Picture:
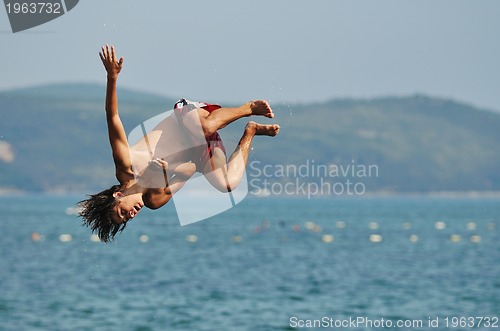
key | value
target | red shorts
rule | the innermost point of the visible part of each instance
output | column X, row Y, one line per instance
column 203, row 153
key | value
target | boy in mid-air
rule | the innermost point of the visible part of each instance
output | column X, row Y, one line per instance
column 158, row 165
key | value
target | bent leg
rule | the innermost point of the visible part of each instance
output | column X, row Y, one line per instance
column 225, row 177
column 219, row 118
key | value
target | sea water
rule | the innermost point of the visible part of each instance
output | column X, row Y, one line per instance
column 266, row 264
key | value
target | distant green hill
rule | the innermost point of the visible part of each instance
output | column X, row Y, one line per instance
column 53, row 138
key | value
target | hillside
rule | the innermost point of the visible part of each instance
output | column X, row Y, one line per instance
column 54, row 139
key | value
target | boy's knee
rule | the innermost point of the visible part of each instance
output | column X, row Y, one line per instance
column 208, row 128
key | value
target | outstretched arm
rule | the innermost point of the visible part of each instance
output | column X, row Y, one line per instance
column 116, row 132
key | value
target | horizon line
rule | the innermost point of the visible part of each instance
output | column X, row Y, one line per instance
column 379, row 97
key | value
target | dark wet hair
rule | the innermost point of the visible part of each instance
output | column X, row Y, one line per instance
column 97, row 212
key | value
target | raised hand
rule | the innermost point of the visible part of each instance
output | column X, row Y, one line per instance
column 108, row 58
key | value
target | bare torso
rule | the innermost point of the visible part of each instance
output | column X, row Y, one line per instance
column 169, row 141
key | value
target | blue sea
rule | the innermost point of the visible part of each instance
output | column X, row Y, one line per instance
column 266, row 264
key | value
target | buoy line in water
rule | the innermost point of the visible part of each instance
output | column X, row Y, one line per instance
column 310, row 227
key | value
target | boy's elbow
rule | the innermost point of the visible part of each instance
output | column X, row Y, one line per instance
column 155, row 201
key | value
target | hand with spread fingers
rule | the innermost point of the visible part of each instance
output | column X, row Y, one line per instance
column 108, row 58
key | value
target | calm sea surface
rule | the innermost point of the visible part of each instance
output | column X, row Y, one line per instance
column 267, row 264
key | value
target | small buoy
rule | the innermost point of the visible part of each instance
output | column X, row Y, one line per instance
column 65, row 237
column 471, row 226
column 35, row 236
column 455, row 238
column 373, row 225
column 296, row 228
column 375, row 238
column 476, row 239
column 237, row 239
column 407, row 225
column 144, row 238
column 192, row 238
column 340, row 225
column 309, row 225
column 413, row 238
column 327, row 238
column 95, row 238
column 440, row 225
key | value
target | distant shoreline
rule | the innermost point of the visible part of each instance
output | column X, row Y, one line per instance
column 11, row 191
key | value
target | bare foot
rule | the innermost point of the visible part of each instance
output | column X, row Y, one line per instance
column 262, row 108
column 263, row 129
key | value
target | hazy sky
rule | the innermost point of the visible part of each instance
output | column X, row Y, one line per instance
column 288, row 51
